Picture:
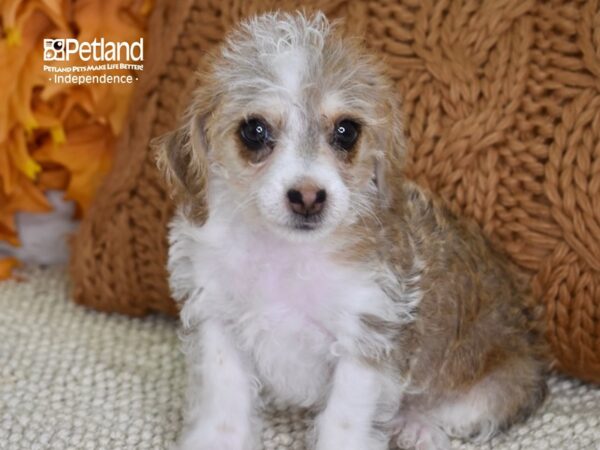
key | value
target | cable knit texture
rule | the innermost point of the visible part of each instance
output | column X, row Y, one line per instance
column 71, row 378
column 502, row 110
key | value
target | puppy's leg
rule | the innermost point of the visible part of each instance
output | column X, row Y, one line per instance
column 221, row 415
column 414, row 430
column 505, row 396
column 359, row 399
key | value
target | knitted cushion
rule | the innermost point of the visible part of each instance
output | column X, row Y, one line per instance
column 502, row 110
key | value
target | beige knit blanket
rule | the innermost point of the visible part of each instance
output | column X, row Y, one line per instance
column 71, row 378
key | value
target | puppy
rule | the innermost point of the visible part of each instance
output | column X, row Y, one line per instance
column 311, row 271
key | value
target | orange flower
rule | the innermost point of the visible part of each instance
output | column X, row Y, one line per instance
column 57, row 136
column 6, row 267
column 95, row 142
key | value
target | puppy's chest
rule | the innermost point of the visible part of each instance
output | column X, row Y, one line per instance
column 288, row 306
column 275, row 284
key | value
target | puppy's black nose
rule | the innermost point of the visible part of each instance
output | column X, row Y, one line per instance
column 306, row 199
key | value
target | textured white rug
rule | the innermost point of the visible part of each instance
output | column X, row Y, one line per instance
column 71, row 378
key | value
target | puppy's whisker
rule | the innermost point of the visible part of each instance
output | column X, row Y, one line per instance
column 245, row 202
column 362, row 211
column 362, row 207
column 359, row 215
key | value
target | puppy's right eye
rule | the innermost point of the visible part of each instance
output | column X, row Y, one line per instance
column 255, row 134
column 346, row 134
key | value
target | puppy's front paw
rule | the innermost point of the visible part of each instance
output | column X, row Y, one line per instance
column 218, row 434
column 343, row 435
column 416, row 432
column 349, row 443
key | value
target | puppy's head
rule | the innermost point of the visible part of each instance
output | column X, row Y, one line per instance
column 293, row 128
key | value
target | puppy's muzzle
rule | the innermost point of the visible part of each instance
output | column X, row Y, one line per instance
column 306, row 200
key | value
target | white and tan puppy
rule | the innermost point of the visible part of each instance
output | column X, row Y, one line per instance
column 309, row 270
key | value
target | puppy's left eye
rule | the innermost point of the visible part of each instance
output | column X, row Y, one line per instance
column 346, row 134
column 255, row 134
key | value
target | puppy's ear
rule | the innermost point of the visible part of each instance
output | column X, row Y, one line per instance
column 181, row 157
column 389, row 163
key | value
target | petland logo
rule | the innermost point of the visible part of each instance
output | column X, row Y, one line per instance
column 101, row 62
column 97, row 50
